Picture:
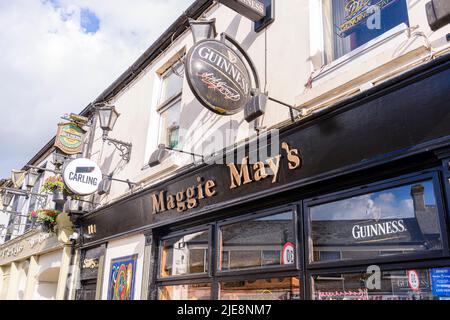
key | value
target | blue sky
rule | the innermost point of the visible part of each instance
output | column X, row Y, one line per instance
column 89, row 22
column 59, row 55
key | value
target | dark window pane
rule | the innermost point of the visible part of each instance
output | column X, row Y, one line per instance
column 256, row 243
column 185, row 292
column 413, row 284
column 354, row 23
column 261, row 289
column 390, row 222
column 184, row 255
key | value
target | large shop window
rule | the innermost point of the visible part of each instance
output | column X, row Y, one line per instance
column 349, row 24
column 197, row 291
column 283, row 288
column 406, row 284
column 184, row 255
column 393, row 221
column 256, row 259
column 258, row 243
column 170, row 105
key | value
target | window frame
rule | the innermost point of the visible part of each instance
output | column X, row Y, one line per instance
column 394, row 266
column 169, row 102
column 256, row 215
column 359, row 50
column 185, row 277
column 431, row 175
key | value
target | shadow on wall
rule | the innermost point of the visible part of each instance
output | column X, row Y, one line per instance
column 47, row 284
column 204, row 130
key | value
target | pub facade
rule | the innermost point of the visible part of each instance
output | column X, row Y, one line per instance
column 337, row 189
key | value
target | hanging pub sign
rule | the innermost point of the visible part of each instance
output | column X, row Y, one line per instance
column 218, row 77
column 82, row 176
column 254, row 10
column 356, row 12
column 69, row 138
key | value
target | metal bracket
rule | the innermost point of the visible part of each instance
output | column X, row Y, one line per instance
column 130, row 184
column 123, row 147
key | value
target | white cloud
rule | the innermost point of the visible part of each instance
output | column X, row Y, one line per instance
column 369, row 206
column 50, row 66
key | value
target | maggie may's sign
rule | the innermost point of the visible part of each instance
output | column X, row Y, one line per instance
column 218, row 77
column 252, row 9
column 191, row 197
column 82, row 176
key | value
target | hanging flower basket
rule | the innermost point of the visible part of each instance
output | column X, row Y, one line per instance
column 46, row 218
column 53, row 183
column 56, row 186
column 59, row 195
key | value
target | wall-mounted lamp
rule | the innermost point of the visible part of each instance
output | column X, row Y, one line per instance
column 203, row 29
column 30, row 180
column 58, row 159
column 161, row 153
column 108, row 116
column 7, row 199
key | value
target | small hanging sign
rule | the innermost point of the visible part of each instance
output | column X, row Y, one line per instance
column 69, row 138
column 254, row 10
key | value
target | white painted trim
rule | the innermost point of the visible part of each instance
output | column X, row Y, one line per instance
column 388, row 36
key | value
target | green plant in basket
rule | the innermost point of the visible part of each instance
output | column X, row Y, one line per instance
column 53, row 183
column 46, row 217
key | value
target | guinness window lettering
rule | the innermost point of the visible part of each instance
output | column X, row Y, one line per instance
column 218, row 77
column 399, row 220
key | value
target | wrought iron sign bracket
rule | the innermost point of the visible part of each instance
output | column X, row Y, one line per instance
column 123, row 147
column 131, row 185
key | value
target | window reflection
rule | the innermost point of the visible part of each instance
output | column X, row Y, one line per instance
column 346, row 27
column 183, row 255
column 185, row 292
column 393, row 221
column 256, row 243
column 414, row 284
column 261, row 289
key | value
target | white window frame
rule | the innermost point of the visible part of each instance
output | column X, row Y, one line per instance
column 317, row 42
column 169, row 102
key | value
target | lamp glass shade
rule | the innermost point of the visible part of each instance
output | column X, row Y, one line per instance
column 31, row 179
column 202, row 30
column 108, row 117
column 7, row 199
column 104, row 186
column 58, row 158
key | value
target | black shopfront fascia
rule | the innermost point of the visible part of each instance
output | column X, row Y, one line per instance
column 397, row 130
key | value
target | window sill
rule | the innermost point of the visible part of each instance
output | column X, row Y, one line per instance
column 346, row 74
column 159, row 172
column 371, row 45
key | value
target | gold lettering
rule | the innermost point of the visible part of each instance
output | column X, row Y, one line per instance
column 158, row 202
column 200, row 188
column 171, row 203
column 293, row 157
column 236, row 177
column 208, row 186
column 192, row 201
column 275, row 166
column 181, row 205
column 260, row 171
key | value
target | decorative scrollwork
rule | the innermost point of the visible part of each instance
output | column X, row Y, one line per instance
column 123, row 147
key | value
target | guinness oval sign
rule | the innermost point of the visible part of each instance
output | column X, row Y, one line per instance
column 218, row 77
